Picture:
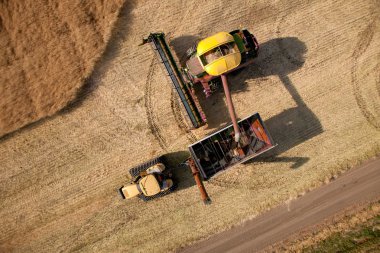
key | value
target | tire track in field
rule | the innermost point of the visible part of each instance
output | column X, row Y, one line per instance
column 179, row 119
column 153, row 126
column 282, row 48
column 81, row 237
column 365, row 39
column 156, row 131
column 73, row 198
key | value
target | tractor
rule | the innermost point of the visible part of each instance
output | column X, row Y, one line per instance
column 149, row 180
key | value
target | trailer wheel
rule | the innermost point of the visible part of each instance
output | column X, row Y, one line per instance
column 135, row 172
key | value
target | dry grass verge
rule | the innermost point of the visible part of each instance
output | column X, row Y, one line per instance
column 350, row 220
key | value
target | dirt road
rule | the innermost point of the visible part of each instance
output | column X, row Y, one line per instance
column 356, row 186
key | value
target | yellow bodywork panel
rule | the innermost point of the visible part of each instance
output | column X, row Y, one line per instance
column 223, row 64
column 149, row 185
column 218, row 53
column 214, row 41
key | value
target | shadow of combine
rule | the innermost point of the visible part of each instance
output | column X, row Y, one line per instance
column 295, row 125
column 279, row 57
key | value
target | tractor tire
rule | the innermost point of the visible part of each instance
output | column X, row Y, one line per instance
column 135, row 172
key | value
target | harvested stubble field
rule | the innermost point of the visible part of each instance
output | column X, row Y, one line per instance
column 316, row 83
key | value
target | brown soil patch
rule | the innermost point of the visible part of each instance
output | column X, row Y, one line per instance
column 47, row 50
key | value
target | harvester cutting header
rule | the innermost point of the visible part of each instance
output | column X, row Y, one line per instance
column 208, row 63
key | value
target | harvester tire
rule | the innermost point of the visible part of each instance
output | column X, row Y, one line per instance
column 135, row 172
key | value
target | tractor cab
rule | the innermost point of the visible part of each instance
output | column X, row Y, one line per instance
column 150, row 180
column 218, row 54
column 150, row 185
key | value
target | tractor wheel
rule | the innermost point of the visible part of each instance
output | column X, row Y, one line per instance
column 135, row 172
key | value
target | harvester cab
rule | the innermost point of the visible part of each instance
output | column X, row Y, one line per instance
column 220, row 54
column 215, row 55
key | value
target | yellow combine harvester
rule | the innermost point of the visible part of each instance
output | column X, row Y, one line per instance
column 220, row 54
column 215, row 55
column 207, row 63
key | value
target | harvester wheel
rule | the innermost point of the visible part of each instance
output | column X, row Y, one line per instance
column 135, row 172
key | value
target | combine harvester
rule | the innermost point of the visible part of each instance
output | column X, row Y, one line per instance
column 207, row 63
